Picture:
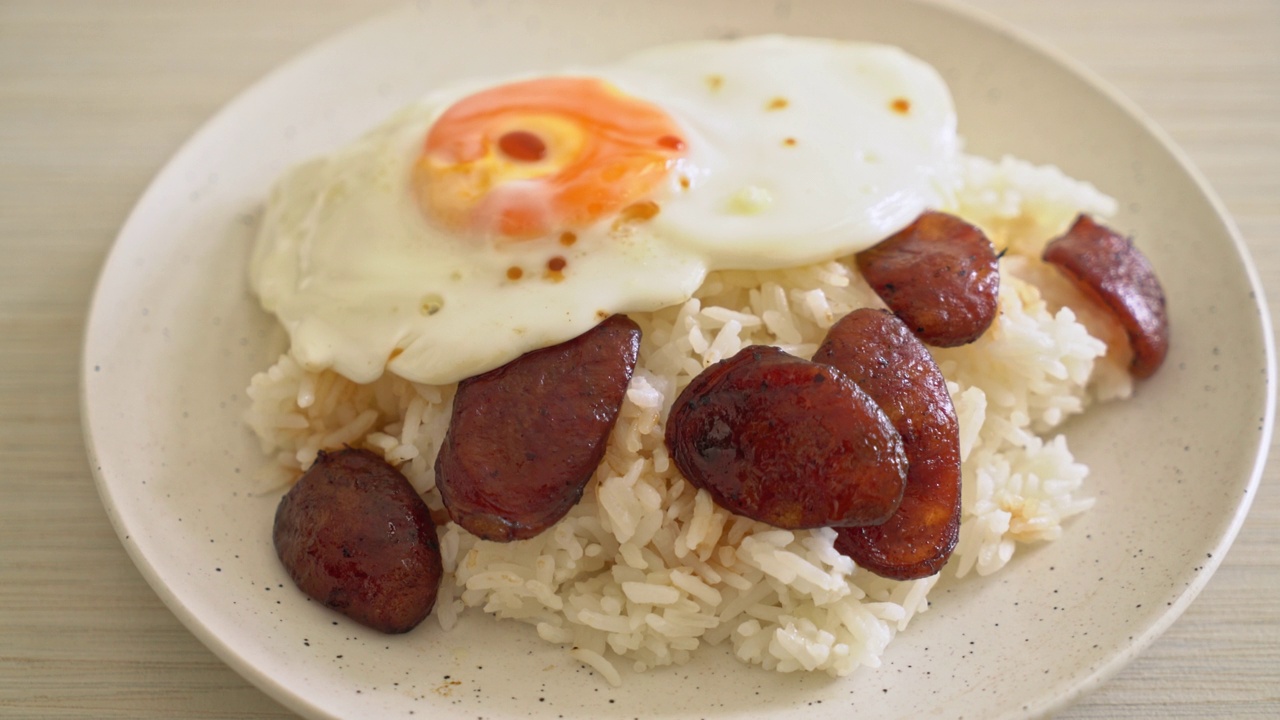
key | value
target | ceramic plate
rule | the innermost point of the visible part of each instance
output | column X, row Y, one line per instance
column 174, row 336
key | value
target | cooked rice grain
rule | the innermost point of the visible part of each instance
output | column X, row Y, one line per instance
column 646, row 568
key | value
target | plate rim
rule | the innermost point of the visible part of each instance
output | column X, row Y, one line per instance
column 1092, row 680
column 1079, row 685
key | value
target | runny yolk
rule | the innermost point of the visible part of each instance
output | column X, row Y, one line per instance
column 531, row 158
column 521, row 145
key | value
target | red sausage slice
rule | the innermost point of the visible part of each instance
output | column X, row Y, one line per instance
column 879, row 353
column 1108, row 268
column 940, row 275
column 788, row 442
column 525, row 438
column 354, row 535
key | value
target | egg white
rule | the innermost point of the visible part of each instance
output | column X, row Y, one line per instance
column 796, row 154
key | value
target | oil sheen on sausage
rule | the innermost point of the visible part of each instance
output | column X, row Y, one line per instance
column 878, row 352
column 940, row 275
column 788, row 442
column 1107, row 267
column 355, row 535
column 525, row 438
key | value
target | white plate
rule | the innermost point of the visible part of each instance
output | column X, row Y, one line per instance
column 174, row 336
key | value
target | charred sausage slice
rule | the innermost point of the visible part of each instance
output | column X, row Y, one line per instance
column 525, row 438
column 1107, row 267
column 788, row 442
column 940, row 275
column 354, row 535
column 879, row 353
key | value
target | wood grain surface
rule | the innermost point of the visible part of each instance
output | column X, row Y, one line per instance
column 96, row 94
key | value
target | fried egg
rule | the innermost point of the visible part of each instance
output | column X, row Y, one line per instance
column 491, row 219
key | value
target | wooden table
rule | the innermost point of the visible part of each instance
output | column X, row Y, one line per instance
column 95, row 95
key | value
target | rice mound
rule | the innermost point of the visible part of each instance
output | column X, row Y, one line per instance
column 646, row 568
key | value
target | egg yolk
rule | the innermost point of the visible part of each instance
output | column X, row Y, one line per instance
column 530, row 158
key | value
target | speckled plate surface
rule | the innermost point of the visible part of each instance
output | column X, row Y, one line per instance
column 174, row 336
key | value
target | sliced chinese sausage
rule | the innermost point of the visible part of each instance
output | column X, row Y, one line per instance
column 1107, row 267
column 788, row 442
column 525, row 438
column 879, row 353
column 940, row 275
column 354, row 535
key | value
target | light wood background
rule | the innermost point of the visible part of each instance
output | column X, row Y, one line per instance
column 96, row 94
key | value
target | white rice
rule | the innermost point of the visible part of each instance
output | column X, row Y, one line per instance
column 646, row 569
